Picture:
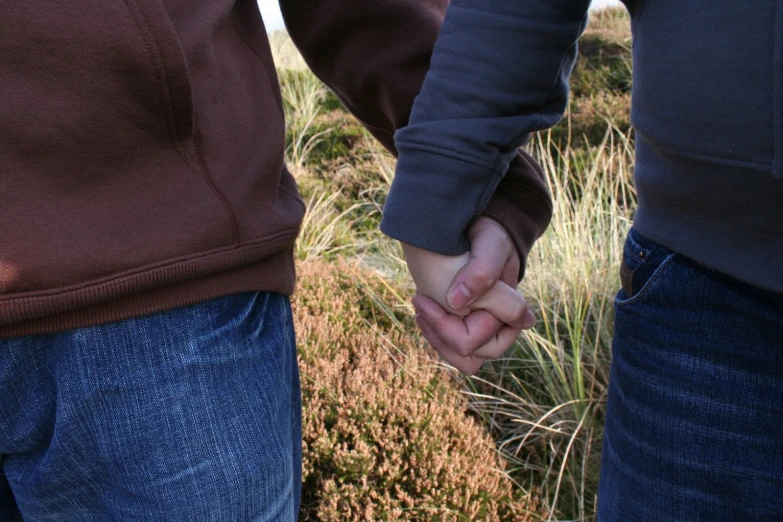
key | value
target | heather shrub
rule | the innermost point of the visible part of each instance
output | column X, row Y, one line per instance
column 386, row 433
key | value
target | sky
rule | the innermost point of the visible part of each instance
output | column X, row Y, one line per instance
column 274, row 20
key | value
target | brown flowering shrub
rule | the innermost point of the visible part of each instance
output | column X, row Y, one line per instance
column 386, row 434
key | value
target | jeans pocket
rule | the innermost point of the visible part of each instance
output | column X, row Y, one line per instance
column 643, row 262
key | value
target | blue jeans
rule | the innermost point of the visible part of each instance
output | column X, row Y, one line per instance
column 694, row 426
column 191, row 414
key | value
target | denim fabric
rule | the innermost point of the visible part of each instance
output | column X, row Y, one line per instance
column 191, row 414
column 694, row 427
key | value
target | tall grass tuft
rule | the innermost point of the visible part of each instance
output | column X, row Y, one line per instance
column 303, row 99
column 285, row 53
column 324, row 230
column 545, row 401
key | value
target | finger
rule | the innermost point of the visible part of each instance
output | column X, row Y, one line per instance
column 508, row 305
column 463, row 336
column 491, row 249
column 510, row 274
column 466, row 365
column 429, row 333
column 488, row 337
column 481, row 327
column 496, row 347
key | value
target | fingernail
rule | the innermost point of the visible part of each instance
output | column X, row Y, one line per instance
column 459, row 297
column 529, row 321
column 416, row 306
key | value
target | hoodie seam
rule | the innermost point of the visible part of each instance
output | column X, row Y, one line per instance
column 446, row 153
column 164, row 91
column 160, row 75
column 708, row 158
column 140, row 272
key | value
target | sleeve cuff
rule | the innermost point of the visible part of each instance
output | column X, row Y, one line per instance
column 434, row 198
column 521, row 204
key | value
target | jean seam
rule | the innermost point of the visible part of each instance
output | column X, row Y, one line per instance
column 646, row 287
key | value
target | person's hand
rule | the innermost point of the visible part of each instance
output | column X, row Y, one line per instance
column 466, row 342
column 468, row 309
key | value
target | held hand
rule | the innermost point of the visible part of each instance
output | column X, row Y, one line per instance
column 486, row 313
column 464, row 342
column 483, row 279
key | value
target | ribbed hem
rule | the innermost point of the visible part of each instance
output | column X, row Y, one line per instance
column 725, row 217
column 270, row 269
column 434, row 198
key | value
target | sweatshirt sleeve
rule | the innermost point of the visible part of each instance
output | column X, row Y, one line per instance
column 374, row 55
column 499, row 71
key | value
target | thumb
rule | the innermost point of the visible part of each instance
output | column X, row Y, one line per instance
column 490, row 251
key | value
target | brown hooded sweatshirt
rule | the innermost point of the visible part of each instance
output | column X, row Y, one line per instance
column 142, row 142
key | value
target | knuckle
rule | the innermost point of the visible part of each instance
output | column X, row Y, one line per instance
column 463, row 348
column 479, row 226
column 501, row 235
column 505, row 239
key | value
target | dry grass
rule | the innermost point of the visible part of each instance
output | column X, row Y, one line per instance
column 544, row 402
column 387, row 437
column 601, row 81
column 303, row 96
column 285, row 53
column 324, row 230
column 612, row 24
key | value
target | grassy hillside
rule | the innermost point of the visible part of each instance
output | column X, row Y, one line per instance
column 390, row 433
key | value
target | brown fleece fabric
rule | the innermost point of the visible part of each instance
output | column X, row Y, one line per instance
column 142, row 142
